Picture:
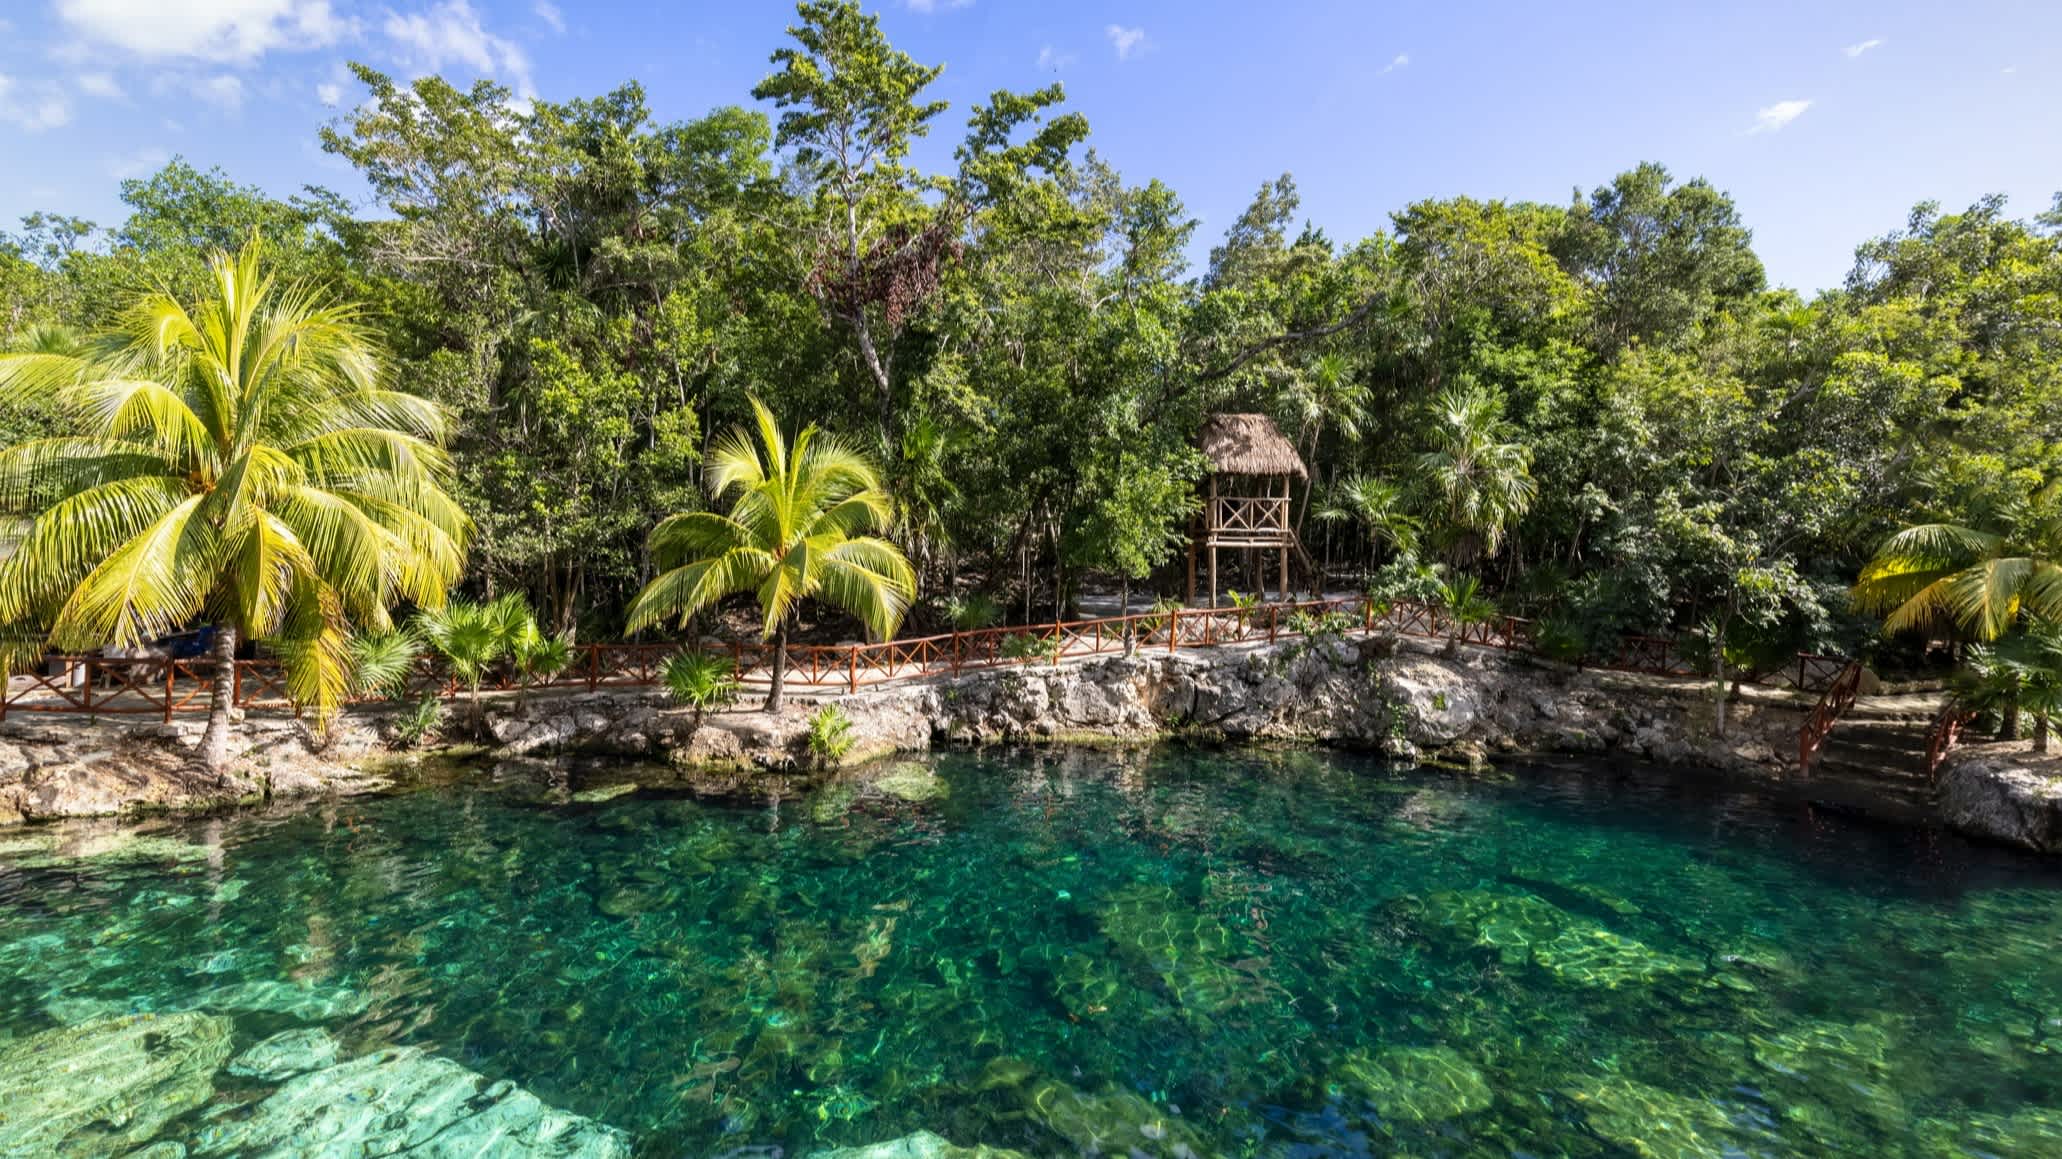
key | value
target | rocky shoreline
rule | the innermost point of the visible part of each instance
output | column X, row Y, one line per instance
column 1397, row 697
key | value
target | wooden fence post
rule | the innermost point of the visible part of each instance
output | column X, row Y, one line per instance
column 171, row 667
column 852, row 668
column 1173, row 627
column 593, row 666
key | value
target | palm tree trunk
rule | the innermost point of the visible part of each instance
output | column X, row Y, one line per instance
column 774, row 699
column 2040, row 732
column 2010, row 731
column 214, row 742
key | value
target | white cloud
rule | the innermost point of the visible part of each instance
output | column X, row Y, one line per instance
column 451, row 33
column 100, row 84
column 222, row 90
column 1772, row 118
column 1051, row 58
column 1127, row 41
column 331, row 95
column 549, row 14
column 214, row 30
column 928, row 6
column 1854, row 50
column 2009, row 69
column 1402, row 60
column 44, row 108
column 138, row 164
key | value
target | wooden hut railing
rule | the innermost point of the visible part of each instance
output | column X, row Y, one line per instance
column 1262, row 519
column 92, row 685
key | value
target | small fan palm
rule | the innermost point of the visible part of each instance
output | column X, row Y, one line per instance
column 701, row 681
column 1378, row 506
column 796, row 531
column 473, row 637
column 237, row 460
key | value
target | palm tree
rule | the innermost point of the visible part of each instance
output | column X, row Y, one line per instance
column 1937, row 576
column 796, row 531
column 701, row 681
column 1379, row 507
column 2020, row 673
column 1484, row 481
column 237, row 460
column 473, row 637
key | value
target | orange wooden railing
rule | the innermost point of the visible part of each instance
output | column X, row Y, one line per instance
column 92, row 685
column 1944, row 734
column 1832, row 705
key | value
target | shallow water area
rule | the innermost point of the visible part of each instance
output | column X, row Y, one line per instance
column 1168, row 952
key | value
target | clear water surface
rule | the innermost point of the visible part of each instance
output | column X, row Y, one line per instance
column 1164, row 953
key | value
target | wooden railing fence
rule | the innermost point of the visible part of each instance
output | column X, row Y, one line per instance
column 137, row 687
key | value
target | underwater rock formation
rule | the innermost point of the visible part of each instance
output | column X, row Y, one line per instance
column 1417, row 1084
column 403, row 1101
column 922, row 1145
column 104, row 1086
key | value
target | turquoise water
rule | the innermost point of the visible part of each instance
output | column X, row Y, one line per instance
column 1162, row 953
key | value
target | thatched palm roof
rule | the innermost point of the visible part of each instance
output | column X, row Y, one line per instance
column 1249, row 444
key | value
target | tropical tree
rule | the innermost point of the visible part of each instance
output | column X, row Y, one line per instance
column 237, row 460
column 796, row 531
column 1482, row 478
column 1465, row 607
column 1938, row 576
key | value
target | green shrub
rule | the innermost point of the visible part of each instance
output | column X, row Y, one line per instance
column 1032, row 646
column 418, row 723
column 971, row 612
column 830, row 735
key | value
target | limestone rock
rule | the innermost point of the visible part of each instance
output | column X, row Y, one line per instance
column 402, row 1101
column 2006, row 794
column 287, row 1054
column 101, row 1087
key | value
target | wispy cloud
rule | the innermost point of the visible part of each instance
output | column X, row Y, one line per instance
column 141, row 163
column 331, row 95
column 223, row 31
column 223, row 90
column 549, row 14
column 33, row 109
column 1854, row 50
column 100, row 84
column 1772, row 118
column 451, row 33
column 1053, row 59
column 1128, row 42
column 1401, row 60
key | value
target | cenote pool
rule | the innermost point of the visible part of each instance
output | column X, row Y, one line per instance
column 1164, row 953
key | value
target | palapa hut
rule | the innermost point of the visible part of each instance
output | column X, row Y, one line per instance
column 1247, row 504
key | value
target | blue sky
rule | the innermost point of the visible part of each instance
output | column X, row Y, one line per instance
column 1826, row 119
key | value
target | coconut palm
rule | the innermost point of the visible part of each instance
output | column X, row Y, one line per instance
column 1938, row 576
column 796, row 531
column 237, row 460
column 1483, row 480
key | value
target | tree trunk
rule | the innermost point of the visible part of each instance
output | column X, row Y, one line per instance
column 2010, row 730
column 1718, row 671
column 2040, row 732
column 774, row 698
column 214, row 742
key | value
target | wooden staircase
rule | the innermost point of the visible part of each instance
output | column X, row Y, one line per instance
column 1875, row 761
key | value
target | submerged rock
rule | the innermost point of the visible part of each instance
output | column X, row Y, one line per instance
column 1115, row 1123
column 1654, row 1123
column 922, row 1145
column 1187, row 948
column 1417, row 1084
column 102, row 1087
column 1521, row 928
column 402, row 1101
column 910, row 781
column 287, row 1054
column 601, row 793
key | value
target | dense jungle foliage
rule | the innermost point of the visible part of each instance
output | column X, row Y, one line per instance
column 1600, row 408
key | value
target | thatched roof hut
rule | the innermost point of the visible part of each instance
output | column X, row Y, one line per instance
column 1249, row 444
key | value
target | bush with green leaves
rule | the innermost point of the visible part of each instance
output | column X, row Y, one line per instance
column 971, row 611
column 418, row 722
column 700, row 680
column 830, row 735
column 1032, row 646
